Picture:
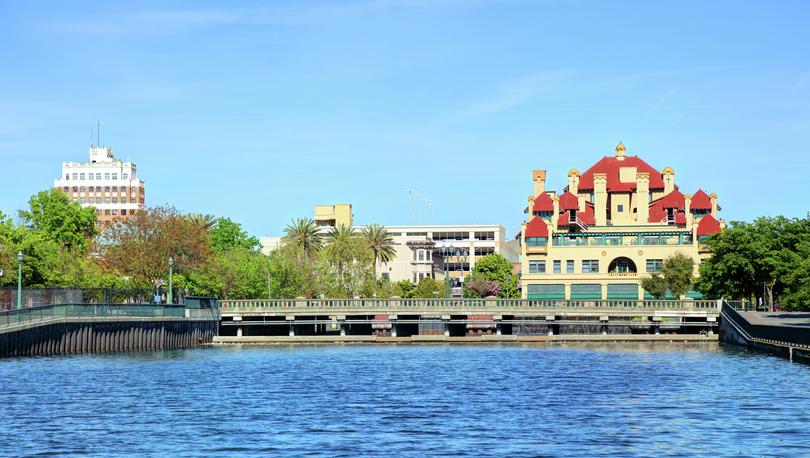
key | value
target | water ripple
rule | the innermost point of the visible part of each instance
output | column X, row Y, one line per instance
column 555, row 400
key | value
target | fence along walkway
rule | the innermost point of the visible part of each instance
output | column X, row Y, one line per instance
column 99, row 328
column 47, row 314
column 460, row 305
column 783, row 336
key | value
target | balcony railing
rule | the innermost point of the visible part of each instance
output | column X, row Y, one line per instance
column 623, row 274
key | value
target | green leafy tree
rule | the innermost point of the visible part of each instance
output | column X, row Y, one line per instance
column 140, row 246
column 227, row 235
column 243, row 273
column 288, row 278
column 429, row 288
column 656, row 285
column 678, row 272
column 493, row 267
column 405, row 289
column 60, row 220
column 381, row 244
column 765, row 259
column 345, row 264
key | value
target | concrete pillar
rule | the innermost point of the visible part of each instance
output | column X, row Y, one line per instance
column 292, row 331
column 573, row 181
column 239, row 331
column 642, row 197
column 687, row 208
column 556, row 216
column 600, row 198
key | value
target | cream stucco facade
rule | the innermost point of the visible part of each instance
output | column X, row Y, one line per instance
column 421, row 251
column 613, row 225
column 333, row 215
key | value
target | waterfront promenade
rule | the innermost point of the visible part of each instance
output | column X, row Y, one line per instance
column 783, row 333
column 102, row 328
column 465, row 320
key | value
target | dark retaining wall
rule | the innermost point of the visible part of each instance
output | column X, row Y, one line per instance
column 100, row 337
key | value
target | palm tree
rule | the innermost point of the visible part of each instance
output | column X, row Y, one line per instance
column 205, row 221
column 341, row 234
column 303, row 234
column 381, row 244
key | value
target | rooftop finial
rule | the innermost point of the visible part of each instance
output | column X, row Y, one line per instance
column 620, row 149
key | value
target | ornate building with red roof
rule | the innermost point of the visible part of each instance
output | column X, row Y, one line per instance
column 610, row 227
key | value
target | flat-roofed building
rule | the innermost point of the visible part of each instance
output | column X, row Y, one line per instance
column 104, row 182
column 425, row 251
column 327, row 216
column 611, row 226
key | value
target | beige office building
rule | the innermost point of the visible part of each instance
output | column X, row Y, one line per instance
column 328, row 216
column 425, row 251
column 613, row 225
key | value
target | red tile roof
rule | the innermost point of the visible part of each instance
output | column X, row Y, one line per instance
column 708, row 225
column 537, row 227
column 672, row 200
column 569, row 201
column 543, row 203
column 610, row 165
column 701, row 201
column 588, row 216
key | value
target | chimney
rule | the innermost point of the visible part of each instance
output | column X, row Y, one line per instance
column 642, row 197
column 687, row 208
column 573, row 181
column 556, row 215
column 600, row 198
column 713, row 198
column 669, row 180
column 530, row 209
column 539, row 179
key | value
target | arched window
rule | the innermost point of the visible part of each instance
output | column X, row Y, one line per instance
column 622, row 265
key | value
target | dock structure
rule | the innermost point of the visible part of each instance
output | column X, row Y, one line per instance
column 784, row 333
column 59, row 329
column 464, row 320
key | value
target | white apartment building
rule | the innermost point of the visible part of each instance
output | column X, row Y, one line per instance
column 425, row 251
column 109, row 185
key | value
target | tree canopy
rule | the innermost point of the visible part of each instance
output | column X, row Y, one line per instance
column 768, row 258
column 493, row 267
column 53, row 214
column 227, row 235
column 676, row 277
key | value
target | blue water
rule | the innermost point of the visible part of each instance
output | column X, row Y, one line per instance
column 580, row 400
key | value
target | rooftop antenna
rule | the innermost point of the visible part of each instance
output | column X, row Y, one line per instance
column 98, row 133
column 91, row 138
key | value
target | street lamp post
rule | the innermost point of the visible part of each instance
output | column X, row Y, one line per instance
column 19, row 279
column 447, row 250
column 171, row 266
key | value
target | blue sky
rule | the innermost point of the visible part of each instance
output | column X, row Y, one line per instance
column 260, row 110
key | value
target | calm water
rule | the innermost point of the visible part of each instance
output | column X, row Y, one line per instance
column 585, row 400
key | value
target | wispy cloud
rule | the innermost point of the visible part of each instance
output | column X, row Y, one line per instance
column 518, row 91
column 656, row 105
column 150, row 22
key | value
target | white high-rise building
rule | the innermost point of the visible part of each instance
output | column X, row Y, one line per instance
column 109, row 185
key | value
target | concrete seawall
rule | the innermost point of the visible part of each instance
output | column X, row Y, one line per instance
column 100, row 336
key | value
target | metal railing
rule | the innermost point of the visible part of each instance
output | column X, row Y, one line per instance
column 48, row 313
column 785, row 336
column 502, row 305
